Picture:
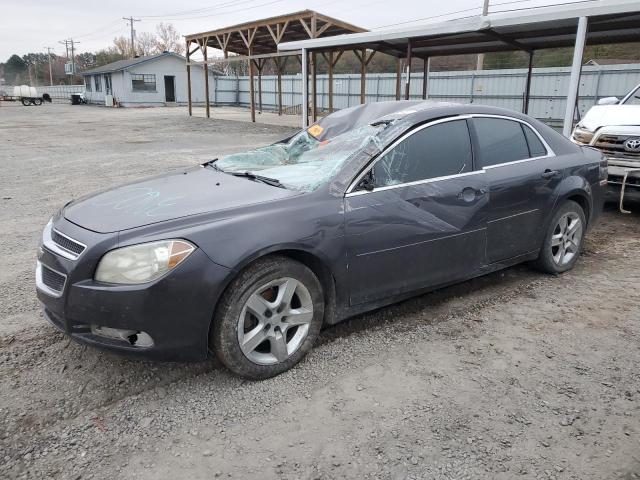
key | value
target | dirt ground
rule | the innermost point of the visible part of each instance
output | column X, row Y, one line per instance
column 514, row 375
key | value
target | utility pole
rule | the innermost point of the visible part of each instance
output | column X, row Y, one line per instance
column 485, row 12
column 50, row 72
column 73, row 58
column 131, row 20
column 70, row 43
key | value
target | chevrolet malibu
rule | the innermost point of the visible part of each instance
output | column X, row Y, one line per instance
column 248, row 256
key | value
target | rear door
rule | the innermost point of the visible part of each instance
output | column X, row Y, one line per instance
column 423, row 223
column 523, row 174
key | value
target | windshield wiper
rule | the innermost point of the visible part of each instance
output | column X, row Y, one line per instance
column 274, row 182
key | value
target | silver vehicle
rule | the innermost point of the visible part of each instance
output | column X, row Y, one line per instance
column 613, row 126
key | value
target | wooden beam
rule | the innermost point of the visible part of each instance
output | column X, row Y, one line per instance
column 259, row 64
column 284, row 28
column 206, row 80
column 323, row 29
column 273, row 34
column 189, row 80
column 363, row 74
column 306, row 27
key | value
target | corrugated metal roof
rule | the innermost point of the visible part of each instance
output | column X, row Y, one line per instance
column 532, row 28
column 130, row 62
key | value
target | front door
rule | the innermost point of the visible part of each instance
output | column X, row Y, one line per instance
column 107, row 84
column 169, row 88
column 423, row 224
column 523, row 175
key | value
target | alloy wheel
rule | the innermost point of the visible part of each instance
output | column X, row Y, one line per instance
column 566, row 238
column 275, row 321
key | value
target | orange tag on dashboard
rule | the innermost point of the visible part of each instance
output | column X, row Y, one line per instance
column 315, row 130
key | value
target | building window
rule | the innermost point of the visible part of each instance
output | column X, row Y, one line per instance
column 87, row 83
column 97, row 83
column 143, row 82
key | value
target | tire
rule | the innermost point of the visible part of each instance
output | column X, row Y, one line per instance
column 37, row 101
column 563, row 240
column 26, row 102
column 274, row 309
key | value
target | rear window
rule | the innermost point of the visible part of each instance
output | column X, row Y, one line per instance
column 536, row 148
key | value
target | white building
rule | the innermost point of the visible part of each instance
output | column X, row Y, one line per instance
column 154, row 80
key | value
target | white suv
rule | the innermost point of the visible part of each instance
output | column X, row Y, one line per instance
column 613, row 126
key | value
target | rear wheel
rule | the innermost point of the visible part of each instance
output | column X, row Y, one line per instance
column 269, row 318
column 26, row 102
column 563, row 241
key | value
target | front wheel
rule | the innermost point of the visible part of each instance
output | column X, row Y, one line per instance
column 269, row 318
column 37, row 101
column 563, row 241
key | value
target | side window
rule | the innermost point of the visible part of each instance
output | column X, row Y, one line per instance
column 500, row 141
column 436, row 151
column 536, row 148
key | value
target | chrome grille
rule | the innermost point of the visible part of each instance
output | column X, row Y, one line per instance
column 67, row 243
column 613, row 146
column 52, row 279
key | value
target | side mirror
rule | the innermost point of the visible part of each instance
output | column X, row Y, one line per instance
column 609, row 101
column 367, row 183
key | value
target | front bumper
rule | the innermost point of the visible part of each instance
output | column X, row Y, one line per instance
column 167, row 319
column 627, row 175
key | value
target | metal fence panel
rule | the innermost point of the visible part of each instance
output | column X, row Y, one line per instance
column 502, row 88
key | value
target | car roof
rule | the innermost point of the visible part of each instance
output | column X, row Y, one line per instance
column 415, row 112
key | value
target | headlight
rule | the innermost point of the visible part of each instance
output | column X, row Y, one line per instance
column 582, row 135
column 142, row 263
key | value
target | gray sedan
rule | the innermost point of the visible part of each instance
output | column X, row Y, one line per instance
column 249, row 255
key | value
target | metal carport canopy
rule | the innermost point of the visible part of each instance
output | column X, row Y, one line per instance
column 608, row 21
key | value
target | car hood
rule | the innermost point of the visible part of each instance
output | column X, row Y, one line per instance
column 608, row 115
column 167, row 197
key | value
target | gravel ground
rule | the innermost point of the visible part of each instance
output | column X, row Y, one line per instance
column 514, row 375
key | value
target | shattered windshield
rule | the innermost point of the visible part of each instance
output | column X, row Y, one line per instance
column 303, row 163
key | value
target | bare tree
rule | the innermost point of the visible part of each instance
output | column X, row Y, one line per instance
column 122, row 46
column 145, row 43
column 169, row 39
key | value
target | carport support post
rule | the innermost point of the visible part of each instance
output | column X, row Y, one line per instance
column 314, row 92
column 251, row 93
column 330, row 79
column 408, row 84
column 189, row 80
column 574, row 81
column 279, row 69
column 398, row 76
column 425, row 77
column 305, row 88
column 527, row 92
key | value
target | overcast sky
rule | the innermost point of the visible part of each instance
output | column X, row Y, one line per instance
column 31, row 25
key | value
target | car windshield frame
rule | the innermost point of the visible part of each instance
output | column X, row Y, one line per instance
column 633, row 95
column 302, row 163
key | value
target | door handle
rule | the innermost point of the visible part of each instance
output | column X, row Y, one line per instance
column 548, row 173
column 469, row 194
